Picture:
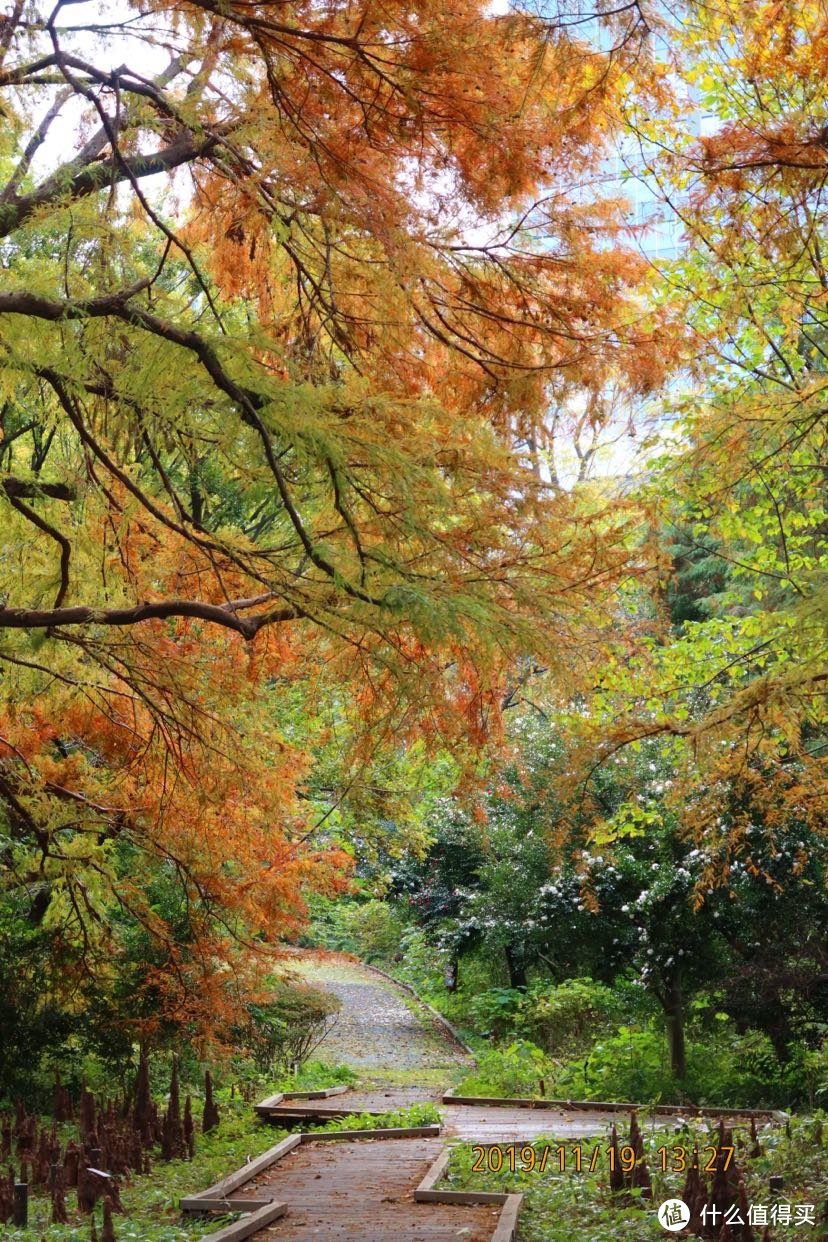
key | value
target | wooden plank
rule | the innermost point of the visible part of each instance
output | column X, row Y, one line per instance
column 507, row 1221
column 376, row 1151
column 607, row 1106
column 248, row 1225
column 196, row 1203
column 378, row 1100
column 265, row 1106
column 295, row 1112
column 316, row 1095
column 355, row 1192
column 270, row 1102
column 506, row 1230
column 436, row 1171
column 494, row 1101
column 345, row 1192
column 248, row 1171
column 386, row 1230
column 468, row 1198
column 324, row 1112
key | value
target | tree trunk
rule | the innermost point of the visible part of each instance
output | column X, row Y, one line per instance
column 674, row 1014
column 516, row 968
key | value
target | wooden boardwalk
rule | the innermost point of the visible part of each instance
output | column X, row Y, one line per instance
column 363, row 1191
column 470, row 1122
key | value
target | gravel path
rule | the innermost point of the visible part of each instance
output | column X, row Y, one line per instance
column 376, row 1030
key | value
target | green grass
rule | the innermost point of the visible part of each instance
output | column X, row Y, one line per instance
column 314, row 1076
column 425, row 1114
column 567, row 1206
column 431, row 1079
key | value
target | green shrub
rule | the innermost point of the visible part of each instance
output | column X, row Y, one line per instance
column 372, row 929
column 328, row 927
column 495, row 1011
column 815, row 1074
column 520, row 1069
column 724, row 1068
column 727, row 1068
column 742, row 1069
column 422, row 964
column 314, row 1076
column 630, row 1065
column 375, row 930
column 560, row 1018
column 284, row 1031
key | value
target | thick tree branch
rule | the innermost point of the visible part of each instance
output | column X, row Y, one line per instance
column 9, row 25
column 36, row 140
column 22, row 489
column 183, row 150
column 218, row 614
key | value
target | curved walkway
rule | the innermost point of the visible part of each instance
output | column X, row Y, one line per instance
column 379, row 1030
column 404, row 1056
column 362, row 1190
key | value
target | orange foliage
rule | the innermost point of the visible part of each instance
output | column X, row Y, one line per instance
column 296, row 430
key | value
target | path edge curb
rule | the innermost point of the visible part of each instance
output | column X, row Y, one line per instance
column 270, row 1211
column 435, row 1013
column 400, row 1132
column 224, row 1188
column 272, row 1101
column 511, row 1204
column 450, row 1096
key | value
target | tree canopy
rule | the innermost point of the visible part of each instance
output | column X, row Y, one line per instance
column 284, row 293
column 297, row 303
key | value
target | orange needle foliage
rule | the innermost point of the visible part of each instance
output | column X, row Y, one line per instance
column 281, row 432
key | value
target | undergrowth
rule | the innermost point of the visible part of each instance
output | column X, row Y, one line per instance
column 151, row 1202
column 425, row 1114
column 563, row 1205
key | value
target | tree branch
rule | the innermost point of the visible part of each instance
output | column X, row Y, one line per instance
column 21, row 489
column 186, row 148
column 218, row 614
column 248, row 402
column 53, row 533
column 33, row 144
